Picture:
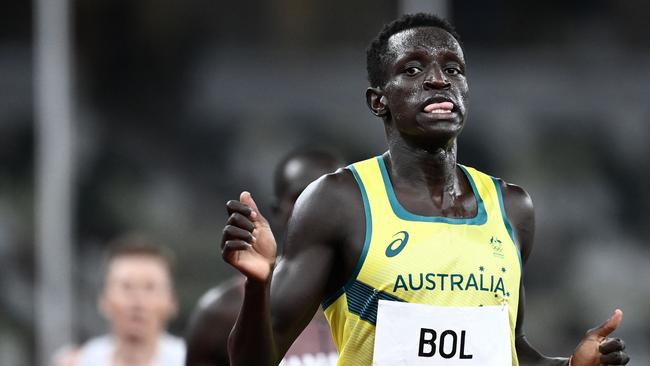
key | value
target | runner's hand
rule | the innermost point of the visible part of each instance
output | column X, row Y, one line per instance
column 247, row 242
column 597, row 348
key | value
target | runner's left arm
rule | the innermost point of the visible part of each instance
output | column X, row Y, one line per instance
column 595, row 348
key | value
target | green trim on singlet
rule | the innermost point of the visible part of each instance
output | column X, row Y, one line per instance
column 506, row 222
column 363, row 300
column 479, row 219
column 366, row 244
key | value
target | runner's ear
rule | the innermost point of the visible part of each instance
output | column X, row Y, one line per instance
column 377, row 102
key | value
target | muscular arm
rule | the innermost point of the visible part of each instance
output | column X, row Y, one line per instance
column 595, row 347
column 277, row 309
column 519, row 209
column 211, row 323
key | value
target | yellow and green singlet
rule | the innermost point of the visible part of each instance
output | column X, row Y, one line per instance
column 431, row 260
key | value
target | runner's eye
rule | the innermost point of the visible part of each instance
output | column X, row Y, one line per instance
column 412, row 70
column 452, row 71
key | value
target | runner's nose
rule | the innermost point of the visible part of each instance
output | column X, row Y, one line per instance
column 436, row 80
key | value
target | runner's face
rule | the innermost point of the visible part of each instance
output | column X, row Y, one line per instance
column 426, row 89
column 137, row 298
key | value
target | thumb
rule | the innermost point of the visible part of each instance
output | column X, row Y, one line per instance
column 246, row 198
column 608, row 326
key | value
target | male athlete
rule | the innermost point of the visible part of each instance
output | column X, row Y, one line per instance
column 210, row 325
column 138, row 301
column 411, row 226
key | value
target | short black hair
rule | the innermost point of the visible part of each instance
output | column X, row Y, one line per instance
column 317, row 154
column 376, row 51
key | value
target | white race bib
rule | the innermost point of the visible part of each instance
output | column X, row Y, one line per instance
column 415, row 334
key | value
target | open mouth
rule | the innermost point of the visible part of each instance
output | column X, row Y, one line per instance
column 439, row 105
column 444, row 107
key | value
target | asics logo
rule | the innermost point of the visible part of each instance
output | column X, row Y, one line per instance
column 397, row 245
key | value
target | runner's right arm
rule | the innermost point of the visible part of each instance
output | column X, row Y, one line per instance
column 279, row 301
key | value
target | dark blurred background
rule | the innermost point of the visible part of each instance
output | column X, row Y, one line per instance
column 180, row 105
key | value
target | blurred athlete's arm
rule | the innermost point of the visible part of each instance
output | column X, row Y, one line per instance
column 279, row 302
column 595, row 348
column 210, row 325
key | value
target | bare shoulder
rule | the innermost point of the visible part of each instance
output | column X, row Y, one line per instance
column 316, row 250
column 520, row 212
column 326, row 234
column 328, row 207
column 211, row 322
column 331, row 190
column 516, row 199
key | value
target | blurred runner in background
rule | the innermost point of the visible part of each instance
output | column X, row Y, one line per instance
column 138, row 301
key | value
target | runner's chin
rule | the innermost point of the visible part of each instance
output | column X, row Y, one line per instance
column 440, row 122
column 440, row 117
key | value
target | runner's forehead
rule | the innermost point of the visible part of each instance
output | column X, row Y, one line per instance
column 137, row 267
column 433, row 39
